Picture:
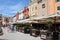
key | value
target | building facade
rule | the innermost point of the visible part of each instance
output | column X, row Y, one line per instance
column 3, row 20
column 48, row 7
column 51, row 10
column 8, row 21
column 21, row 15
column 33, row 9
column 17, row 16
column 26, row 12
column 14, row 19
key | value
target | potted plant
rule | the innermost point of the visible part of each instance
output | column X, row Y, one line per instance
column 49, row 24
column 26, row 29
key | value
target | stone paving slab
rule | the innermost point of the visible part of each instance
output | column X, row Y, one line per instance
column 17, row 36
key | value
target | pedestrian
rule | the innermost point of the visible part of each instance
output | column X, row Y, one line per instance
column 8, row 28
column 14, row 28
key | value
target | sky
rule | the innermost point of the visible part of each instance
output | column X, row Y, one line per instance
column 9, row 8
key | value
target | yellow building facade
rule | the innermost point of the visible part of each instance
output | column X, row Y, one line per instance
column 33, row 9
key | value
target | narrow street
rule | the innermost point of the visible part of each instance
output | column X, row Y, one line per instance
column 17, row 36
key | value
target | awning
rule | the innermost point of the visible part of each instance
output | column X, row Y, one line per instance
column 23, row 21
column 38, row 18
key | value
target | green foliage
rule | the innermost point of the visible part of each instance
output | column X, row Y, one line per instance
column 26, row 29
column 18, row 24
column 31, row 27
column 49, row 24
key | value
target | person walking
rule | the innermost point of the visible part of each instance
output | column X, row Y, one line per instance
column 14, row 28
column 8, row 28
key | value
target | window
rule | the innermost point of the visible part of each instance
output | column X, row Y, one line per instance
column 43, row 5
column 58, row 8
column 39, row 1
column 35, row 8
column 57, row 0
column 42, row 14
column 33, row 14
column 32, row 8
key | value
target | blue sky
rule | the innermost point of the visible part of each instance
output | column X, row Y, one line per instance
column 11, row 7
